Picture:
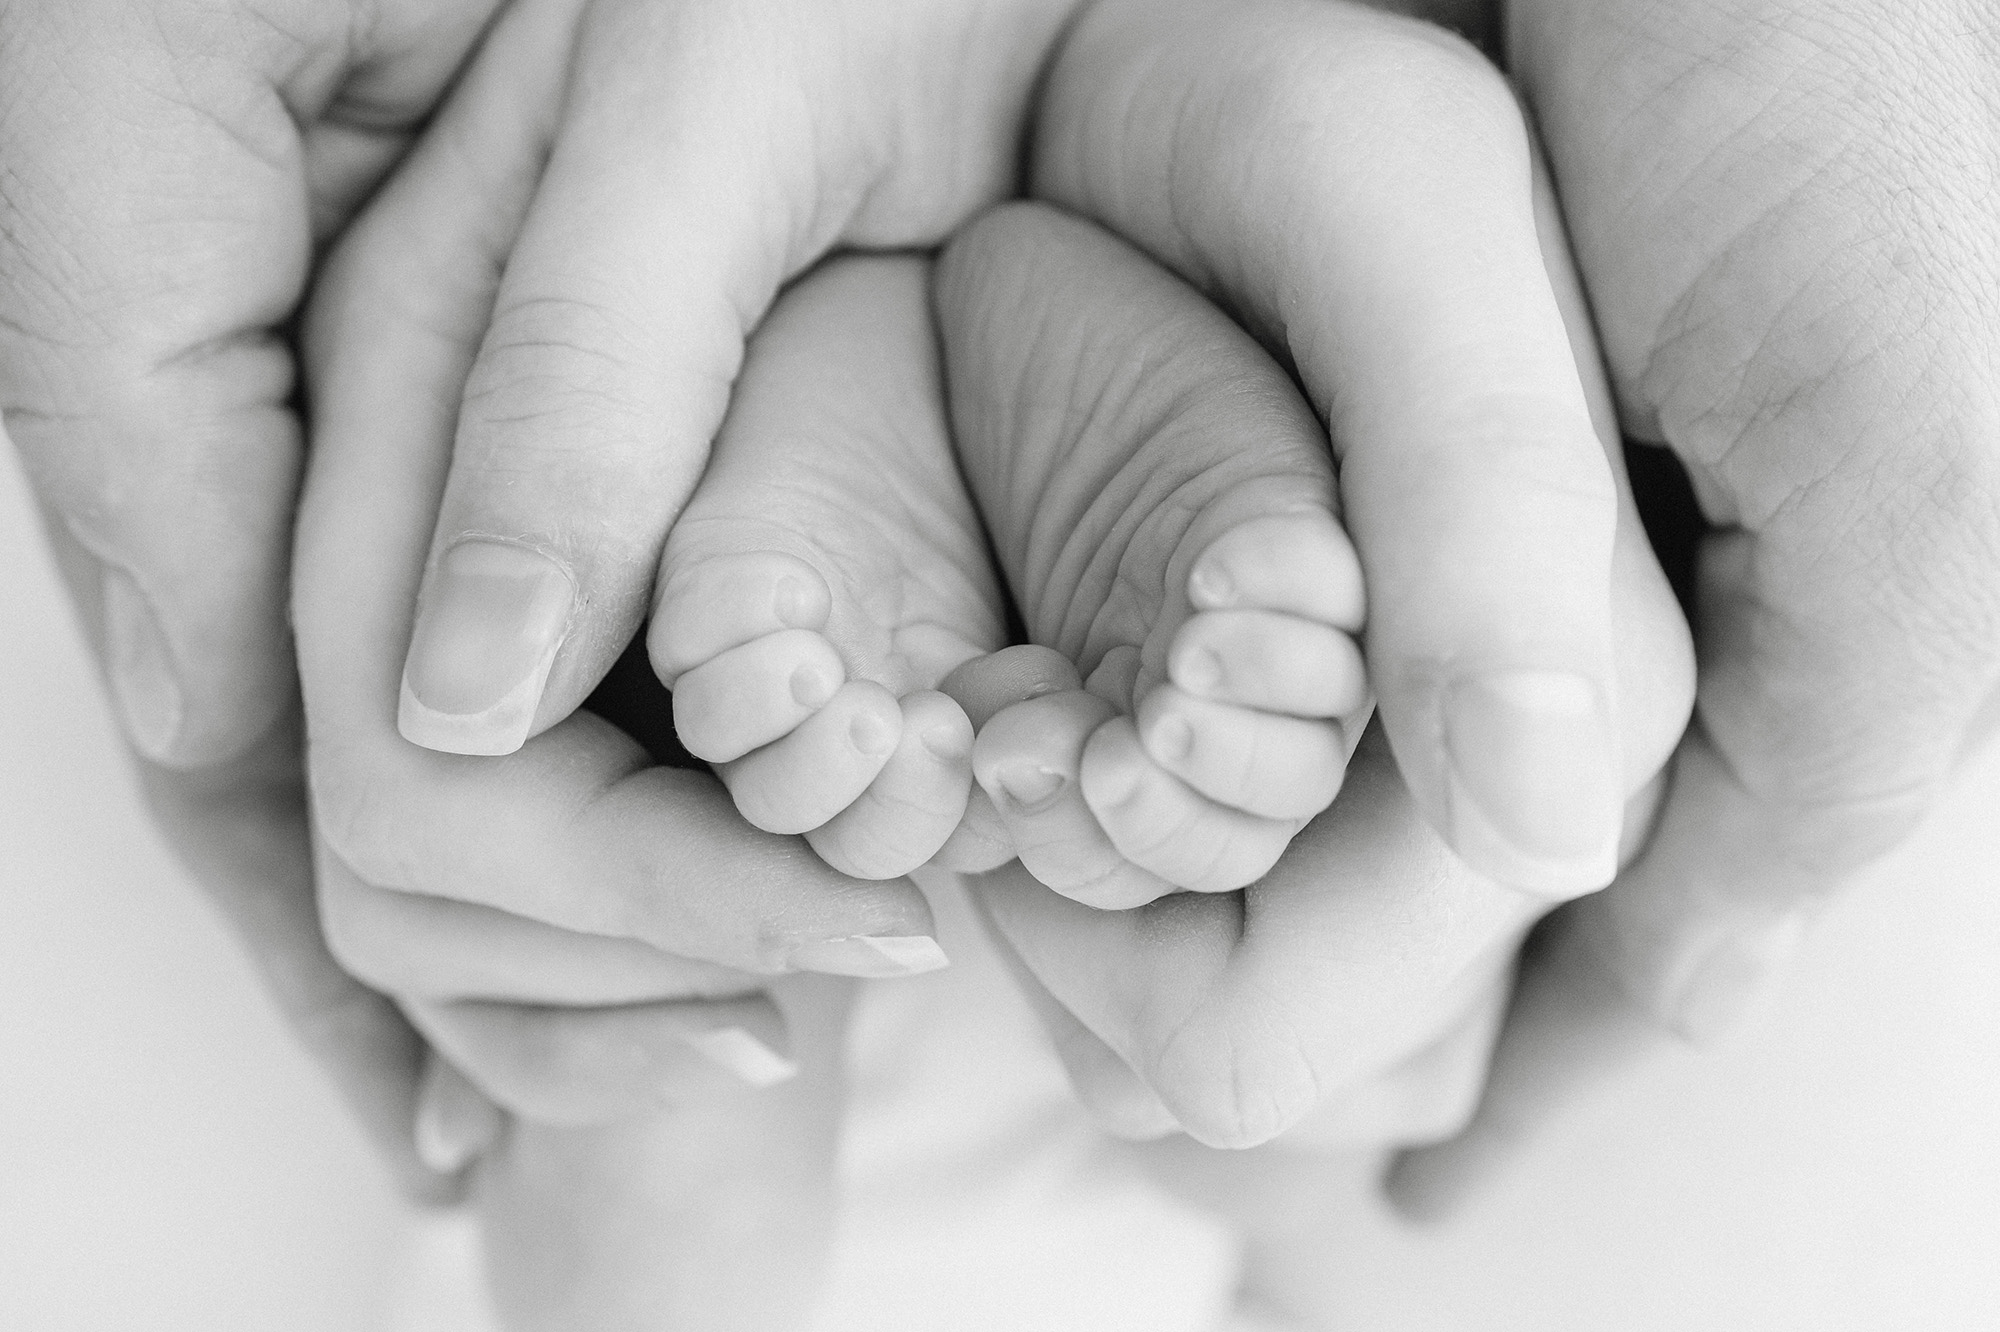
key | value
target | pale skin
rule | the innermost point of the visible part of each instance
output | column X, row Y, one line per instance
column 126, row 432
column 452, row 212
column 517, row 862
column 1196, row 572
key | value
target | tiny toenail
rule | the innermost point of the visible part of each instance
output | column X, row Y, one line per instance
column 793, row 603
column 871, row 735
column 947, row 742
column 1199, row 671
column 1171, row 740
column 1210, row 586
column 1031, row 789
column 811, row 687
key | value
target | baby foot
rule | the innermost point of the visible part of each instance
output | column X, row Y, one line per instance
column 828, row 572
column 1162, row 502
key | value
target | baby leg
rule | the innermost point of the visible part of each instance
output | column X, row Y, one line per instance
column 1171, row 526
column 827, row 574
column 715, row 1214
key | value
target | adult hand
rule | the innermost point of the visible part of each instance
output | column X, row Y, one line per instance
column 1784, row 214
column 576, row 879
column 166, row 169
column 683, row 161
column 595, row 942
column 1259, row 149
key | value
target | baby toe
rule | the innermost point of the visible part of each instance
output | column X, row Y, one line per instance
column 708, row 606
column 1163, row 825
column 1272, row 766
column 795, row 784
column 988, row 684
column 1264, row 659
column 1300, row 563
column 752, row 695
column 1027, row 760
column 980, row 843
column 911, row 809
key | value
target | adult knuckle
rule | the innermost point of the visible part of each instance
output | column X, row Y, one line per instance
column 555, row 360
column 1536, row 445
column 364, row 816
column 355, row 936
column 1234, row 1084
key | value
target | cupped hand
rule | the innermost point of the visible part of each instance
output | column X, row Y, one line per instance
column 1784, row 215
column 167, row 168
column 579, row 849
column 680, row 163
column 1357, row 188
column 1359, row 982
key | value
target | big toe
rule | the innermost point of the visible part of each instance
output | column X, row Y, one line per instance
column 710, row 604
column 1298, row 562
column 1028, row 760
column 803, row 780
column 1165, row 826
column 914, row 804
column 755, row 694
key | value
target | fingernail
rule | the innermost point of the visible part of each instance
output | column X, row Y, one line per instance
column 455, row 1123
column 141, row 667
column 872, row 956
column 1030, row 789
column 1198, row 672
column 742, row 1055
column 1171, row 740
column 1210, row 586
column 812, row 687
column 1725, row 985
column 1535, row 780
column 493, row 617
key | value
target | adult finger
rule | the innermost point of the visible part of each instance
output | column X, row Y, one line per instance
column 241, row 830
column 1375, row 937
column 618, row 1225
column 142, row 374
column 422, row 947
column 653, row 245
column 1120, row 1101
column 575, row 1066
column 1390, row 248
column 577, row 831
column 1808, row 326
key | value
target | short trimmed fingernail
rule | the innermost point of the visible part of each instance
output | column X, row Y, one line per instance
column 872, row 956
column 1199, row 671
column 494, row 614
column 1535, row 779
column 1170, row 739
column 455, row 1122
column 1725, row 985
column 141, row 666
column 1030, row 789
column 741, row 1055
column 1211, row 586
